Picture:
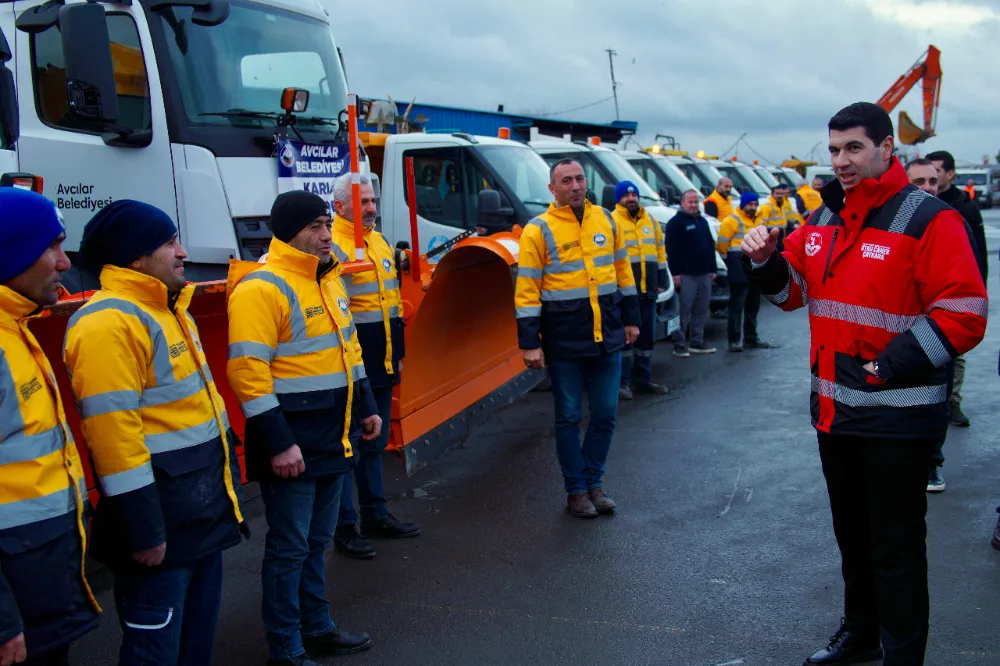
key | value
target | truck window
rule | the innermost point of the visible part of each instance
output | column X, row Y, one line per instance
column 131, row 82
column 439, row 188
column 475, row 181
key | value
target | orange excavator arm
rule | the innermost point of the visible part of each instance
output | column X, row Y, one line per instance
column 926, row 69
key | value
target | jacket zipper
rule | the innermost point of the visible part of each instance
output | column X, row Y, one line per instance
column 829, row 257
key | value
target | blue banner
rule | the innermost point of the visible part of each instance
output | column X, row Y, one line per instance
column 311, row 167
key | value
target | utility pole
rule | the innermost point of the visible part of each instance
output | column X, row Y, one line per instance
column 614, row 85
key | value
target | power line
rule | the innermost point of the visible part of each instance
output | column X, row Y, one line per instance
column 578, row 108
column 747, row 144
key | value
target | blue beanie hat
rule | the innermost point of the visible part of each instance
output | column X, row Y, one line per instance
column 747, row 197
column 122, row 232
column 623, row 188
column 29, row 223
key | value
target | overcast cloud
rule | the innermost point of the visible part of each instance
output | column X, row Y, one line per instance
column 703, row 71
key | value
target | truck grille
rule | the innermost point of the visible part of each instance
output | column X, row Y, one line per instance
column 253, row 235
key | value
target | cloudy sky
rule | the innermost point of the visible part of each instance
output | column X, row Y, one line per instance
column 703, row 71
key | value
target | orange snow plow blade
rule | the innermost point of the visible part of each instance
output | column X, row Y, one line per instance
column 462, row 357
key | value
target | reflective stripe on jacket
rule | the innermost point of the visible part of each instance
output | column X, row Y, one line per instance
column 899, row 287
column 42, row 496
column 375, row 302
column 575, row 291
column 646, row 249
column 723, row 204
column 295, row 364
column 810, row 197
column 154, row 423
column 771, row 215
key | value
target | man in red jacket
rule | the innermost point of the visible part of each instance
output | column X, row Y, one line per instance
column 894, row 295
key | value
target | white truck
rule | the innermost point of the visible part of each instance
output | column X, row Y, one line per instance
column 8, row 112
column 604, row 168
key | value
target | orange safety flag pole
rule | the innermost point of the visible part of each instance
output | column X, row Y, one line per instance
column 411, row 188
column 352, row 129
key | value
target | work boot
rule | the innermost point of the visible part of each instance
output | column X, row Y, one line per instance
column 935, row 482
column 757, row 344
column 301, row 660
column 957, row 418
column 850, row 645
column 624, row 393
column 337, row 641
column 652, row 388
column 348, row 540
column 601, row 501
column 735, row 347
column 682, row 352
column 579, row 505
column 702, row 349
column 389, row 527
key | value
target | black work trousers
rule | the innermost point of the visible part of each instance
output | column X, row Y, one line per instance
column 878, row 498
column 744, row 305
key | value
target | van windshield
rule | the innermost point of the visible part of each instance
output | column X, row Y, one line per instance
column 525, row 173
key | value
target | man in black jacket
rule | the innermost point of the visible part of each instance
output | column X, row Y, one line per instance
column 969, row 209
column 691, row 256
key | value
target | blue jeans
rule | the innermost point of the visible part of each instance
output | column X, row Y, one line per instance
column 638, row 358
column 301, row 517
column 368, row 469
column 168, row 616
column 583, row 468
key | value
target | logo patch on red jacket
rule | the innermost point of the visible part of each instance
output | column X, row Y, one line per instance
column 873, row 251
column 814, row 244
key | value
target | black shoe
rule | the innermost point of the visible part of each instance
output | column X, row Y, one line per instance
column 348, row 540
column 625, row 393
column 957, row 418
column 735, row 347
column 849, row 645
column 682, row 352
column 935, row 482
column 337, row 641
column 301, row 660
column 389, row 527
column 757, row 344
column 702, row 349
column 651, row 388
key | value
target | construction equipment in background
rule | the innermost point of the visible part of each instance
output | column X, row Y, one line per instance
column 927, row 68
column 800, row 166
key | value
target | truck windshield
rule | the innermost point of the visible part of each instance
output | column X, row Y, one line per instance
column 525, row 173
column 232, row 74
column 766, row 176
column 741, row 182
column 962, row 179
column 622, row 170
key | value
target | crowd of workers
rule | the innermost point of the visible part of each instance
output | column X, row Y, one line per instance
column 314, row 354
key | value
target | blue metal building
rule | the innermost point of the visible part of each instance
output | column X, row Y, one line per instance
column 447, row 119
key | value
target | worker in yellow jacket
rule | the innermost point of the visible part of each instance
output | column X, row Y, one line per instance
column 157, row 431
column 45, row 601
column 771, row 213
column 744, row 301
column 790, row 208
column 718, row 204
column 377, row 310
column 811, row 198
column 648, row 256
column 296, row 368
column 576, row 307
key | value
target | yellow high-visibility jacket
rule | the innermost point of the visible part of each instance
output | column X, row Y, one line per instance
column 43, row 534
column 154, row 423
column 575, row 291
column 792, row 217
column 647, row 251
column 730, row 242
column 771, row 215
column 295, row 363
column 375, row 302
column 810, row 197
column 723, row 207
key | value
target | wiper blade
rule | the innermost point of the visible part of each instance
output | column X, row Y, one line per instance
column 243, row 113
column 534, row 201
column 316, row 120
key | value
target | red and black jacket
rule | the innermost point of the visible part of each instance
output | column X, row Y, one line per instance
column 889, row 275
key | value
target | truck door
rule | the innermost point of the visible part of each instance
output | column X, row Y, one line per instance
column 8, row 105
column 448, row 183
column 85, row 167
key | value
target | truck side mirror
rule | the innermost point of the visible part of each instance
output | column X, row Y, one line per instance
column 90, row 73
column 490, row 215
column 9, row 120
column 591, row 197
column 670, row 194
column 608, row 198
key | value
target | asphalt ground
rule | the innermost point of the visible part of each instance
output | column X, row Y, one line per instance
column 721, row 553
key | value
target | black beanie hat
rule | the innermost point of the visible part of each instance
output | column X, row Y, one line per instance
column 293, row 211
column 122, row 232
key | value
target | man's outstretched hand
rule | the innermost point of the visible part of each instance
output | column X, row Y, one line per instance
column 759, row 244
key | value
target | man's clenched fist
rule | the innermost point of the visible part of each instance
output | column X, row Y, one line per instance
column 759, row 244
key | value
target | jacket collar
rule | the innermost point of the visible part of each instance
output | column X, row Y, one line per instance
column 343, row 226
column 14, row 307
column 143, row 288
column 623, row 211
column 566, row 214
column 740, row 213
column 283, row 256
column 870, row 192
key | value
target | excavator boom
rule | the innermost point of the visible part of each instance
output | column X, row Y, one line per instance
column 926, row 69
